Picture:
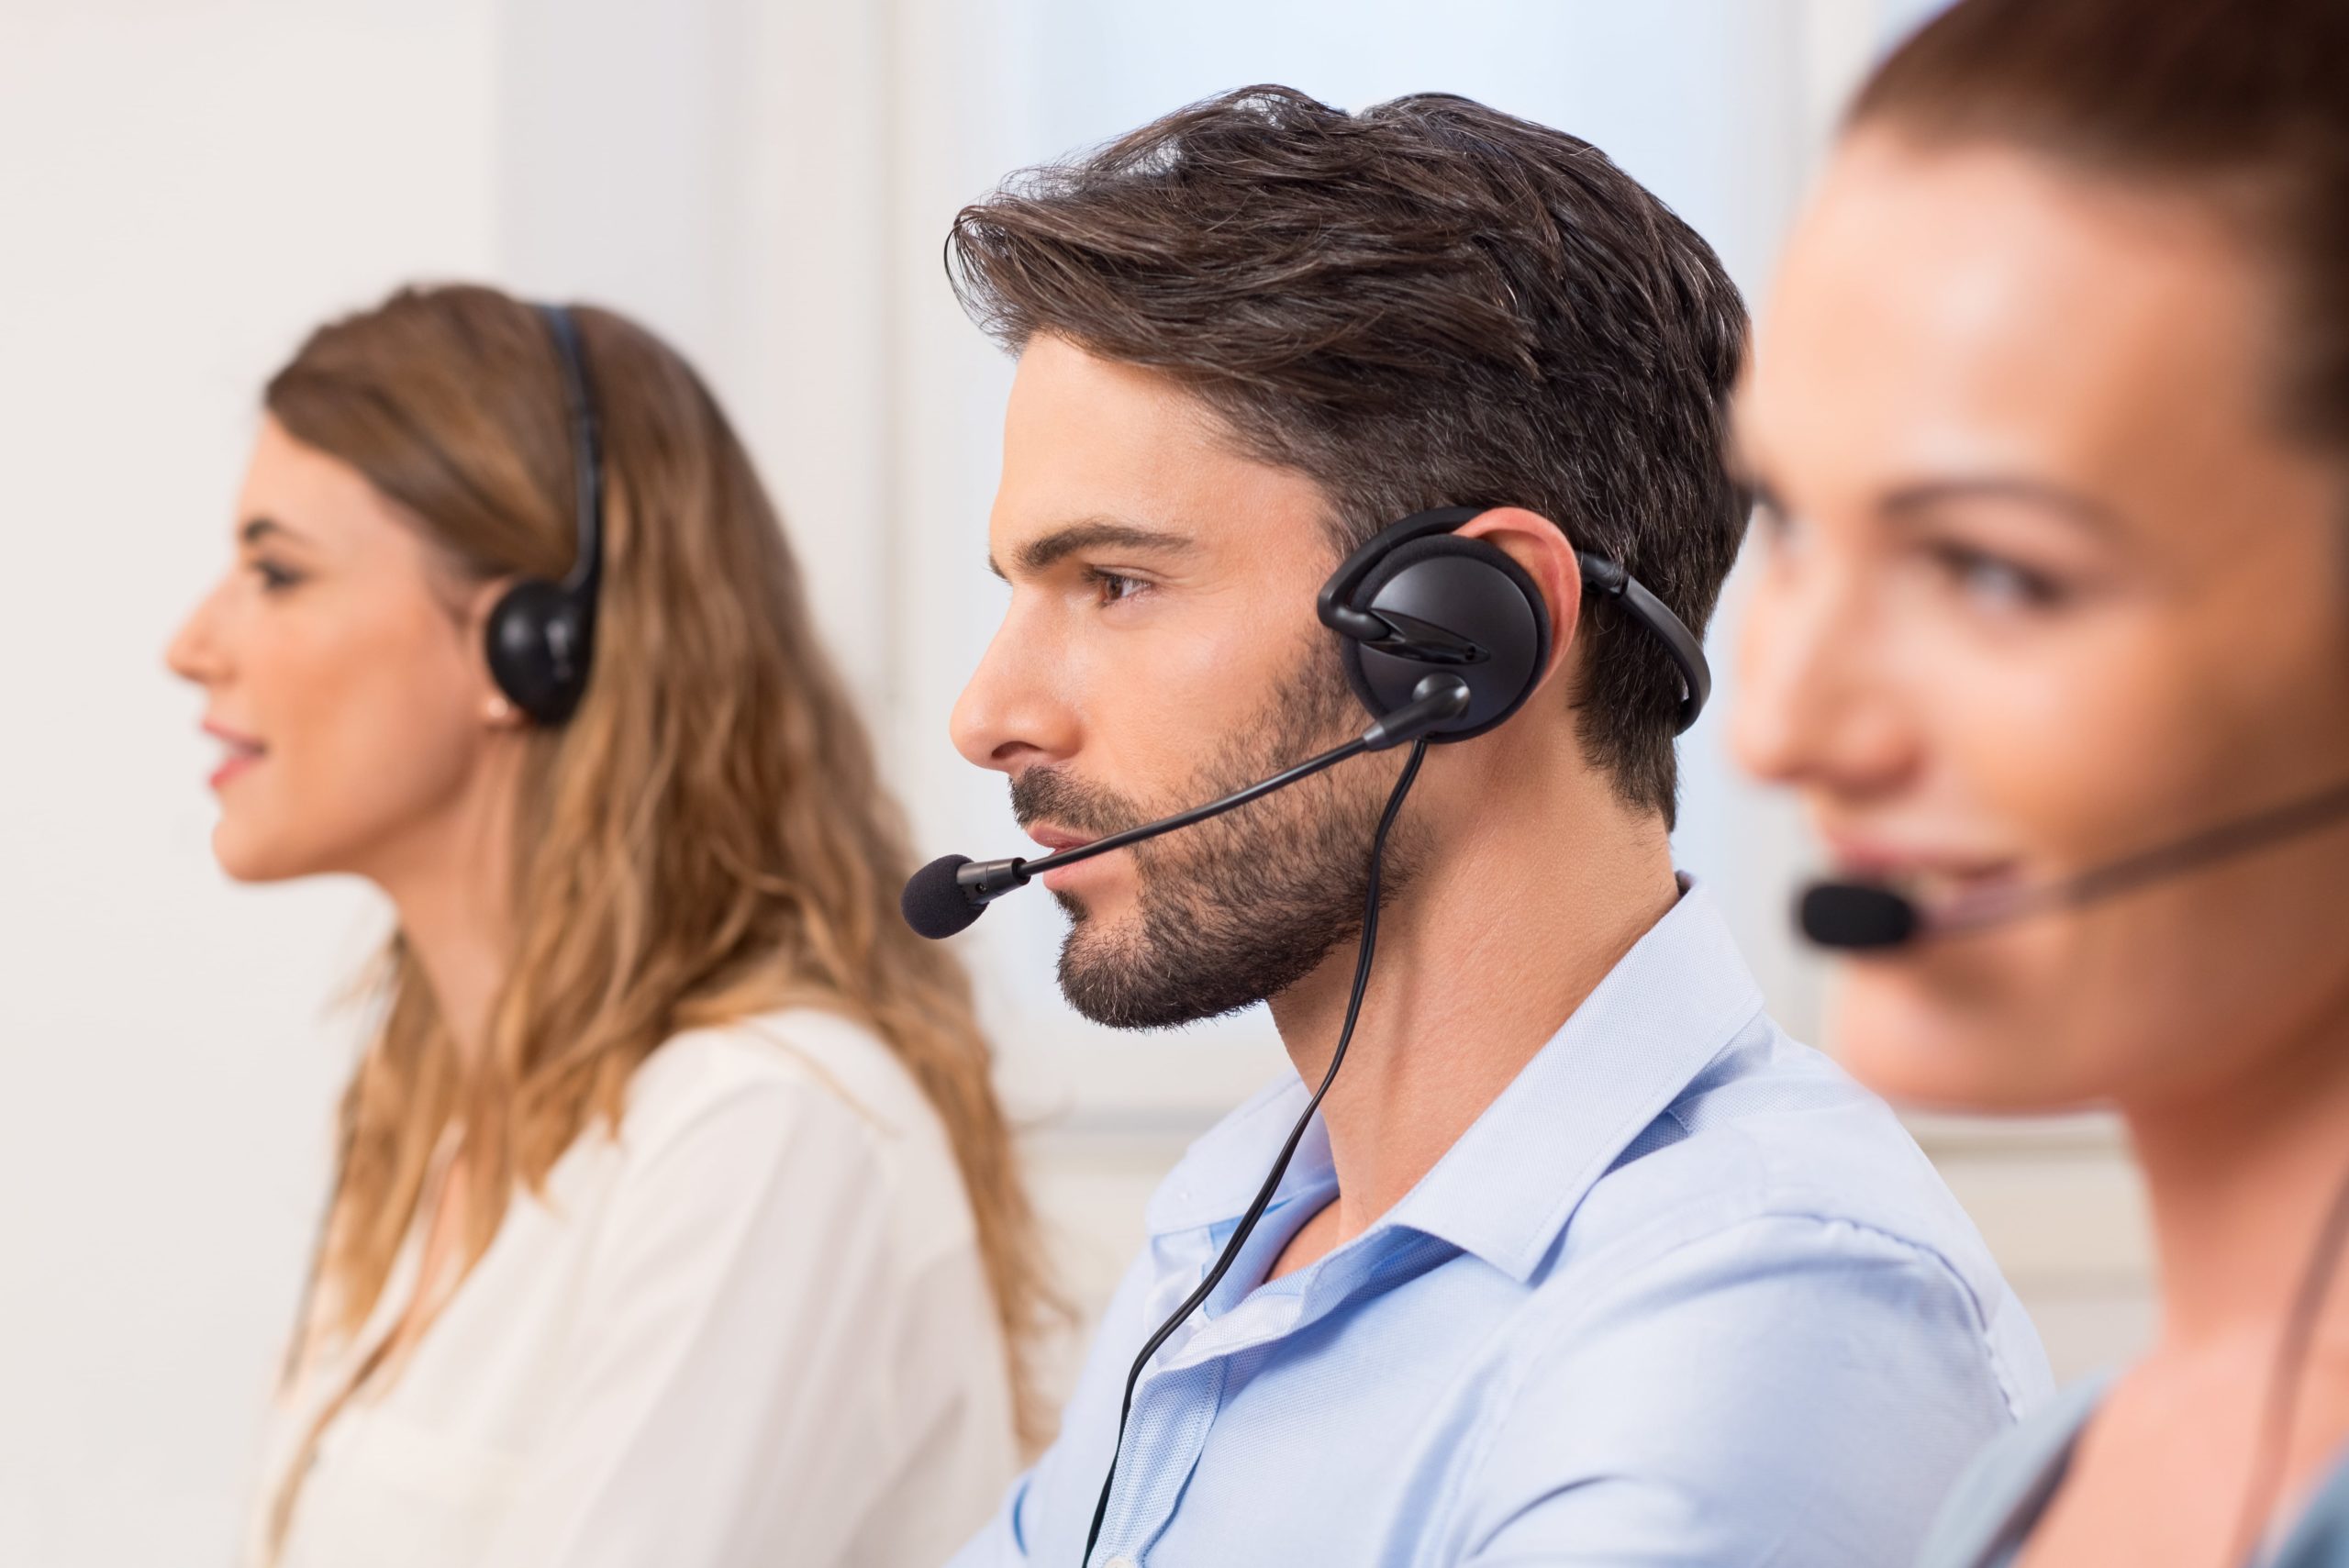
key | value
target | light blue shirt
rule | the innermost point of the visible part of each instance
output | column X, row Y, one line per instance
column 1683, row 1294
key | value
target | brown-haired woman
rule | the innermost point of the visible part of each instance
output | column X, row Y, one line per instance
column 2050, row 412
column 675, row 1220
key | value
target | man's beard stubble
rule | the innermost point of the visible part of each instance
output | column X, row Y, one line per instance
column 1234, row 910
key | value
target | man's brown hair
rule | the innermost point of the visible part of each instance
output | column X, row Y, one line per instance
column 1426, row 304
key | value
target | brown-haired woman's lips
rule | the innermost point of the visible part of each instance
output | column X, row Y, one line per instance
column 1926, row 866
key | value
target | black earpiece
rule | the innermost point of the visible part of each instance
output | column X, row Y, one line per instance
column 542, row 635
column 1419, row 600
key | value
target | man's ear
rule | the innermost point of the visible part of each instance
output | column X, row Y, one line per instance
column 1542, row 549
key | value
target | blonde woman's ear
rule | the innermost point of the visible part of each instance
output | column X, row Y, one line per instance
column 497, row 709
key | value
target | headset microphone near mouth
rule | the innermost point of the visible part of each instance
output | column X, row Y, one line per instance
column 1872, row 916
column 954, row 890
column 1863, row 916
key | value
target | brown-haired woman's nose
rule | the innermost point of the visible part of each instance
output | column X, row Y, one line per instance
column 1809, row 709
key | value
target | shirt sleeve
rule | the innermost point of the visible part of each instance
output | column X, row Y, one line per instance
column 730, row 1399
column 1791, row 1390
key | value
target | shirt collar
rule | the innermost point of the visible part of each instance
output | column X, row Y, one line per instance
column 1506, row 1189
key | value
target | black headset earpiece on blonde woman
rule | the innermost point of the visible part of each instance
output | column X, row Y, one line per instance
column 542, row 634
column 1419, row 600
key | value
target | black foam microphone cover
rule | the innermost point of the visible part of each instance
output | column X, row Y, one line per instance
column 934, row 904
column 1858, row 915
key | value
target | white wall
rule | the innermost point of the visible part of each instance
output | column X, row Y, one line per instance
column 184, row 188
column 186, row 185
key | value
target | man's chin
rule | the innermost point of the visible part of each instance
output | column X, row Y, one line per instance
column 1135, row 973
column 1100, row 999
column 1100, row 962
column 1077, row 908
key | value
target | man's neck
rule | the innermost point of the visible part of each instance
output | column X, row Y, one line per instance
column 1511, row 920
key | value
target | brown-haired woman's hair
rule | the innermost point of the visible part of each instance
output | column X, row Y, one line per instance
column 2241, row 104
column 706, row 838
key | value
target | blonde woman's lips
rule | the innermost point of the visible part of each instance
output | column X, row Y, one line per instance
column 240, row 752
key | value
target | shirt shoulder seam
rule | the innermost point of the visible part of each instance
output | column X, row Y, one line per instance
column 1497, row 1416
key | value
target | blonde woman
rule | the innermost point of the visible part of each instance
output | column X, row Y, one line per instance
column 675, row 1221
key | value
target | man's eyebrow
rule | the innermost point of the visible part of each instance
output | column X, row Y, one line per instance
column 1909, row 499
column 1039, row 553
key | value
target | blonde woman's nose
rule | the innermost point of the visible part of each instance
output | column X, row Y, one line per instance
column 194, row 654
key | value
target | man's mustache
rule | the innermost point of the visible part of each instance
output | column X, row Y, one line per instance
column 1045, row 794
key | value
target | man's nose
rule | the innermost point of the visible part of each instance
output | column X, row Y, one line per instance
column 1013, row 713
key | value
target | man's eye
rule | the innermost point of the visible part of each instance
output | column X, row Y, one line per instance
column 1108, row 588
column 1996, row 583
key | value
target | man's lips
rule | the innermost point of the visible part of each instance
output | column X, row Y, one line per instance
column 1059, row 878
column 1057, row 838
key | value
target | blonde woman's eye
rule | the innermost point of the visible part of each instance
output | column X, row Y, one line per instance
column 275, row 579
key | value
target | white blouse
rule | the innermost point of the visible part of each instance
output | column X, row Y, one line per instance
column 753, row 1329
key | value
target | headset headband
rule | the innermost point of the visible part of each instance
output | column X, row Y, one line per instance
column 587, row 458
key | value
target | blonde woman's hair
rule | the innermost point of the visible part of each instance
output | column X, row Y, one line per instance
column 706, row 838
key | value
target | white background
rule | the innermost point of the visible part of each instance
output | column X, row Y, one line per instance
column 187, row 185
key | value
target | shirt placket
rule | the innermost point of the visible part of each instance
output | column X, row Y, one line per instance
column 1176, row 1405
column 1174, row 1411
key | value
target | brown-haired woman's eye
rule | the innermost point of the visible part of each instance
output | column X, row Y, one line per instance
column 1995, row 583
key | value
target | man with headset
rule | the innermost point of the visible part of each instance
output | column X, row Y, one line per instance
column 1414, row 417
